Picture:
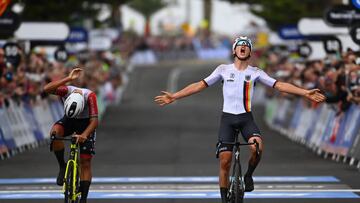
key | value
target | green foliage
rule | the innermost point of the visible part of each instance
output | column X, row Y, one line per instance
column 69, row 11
column 281, row 12
column 148, row 7
column 62, row 10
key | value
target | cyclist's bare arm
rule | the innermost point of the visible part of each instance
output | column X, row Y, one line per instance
column 313, row 95
column 167, row 97
column 93, row 115
column 51, row 87
column 89, row 129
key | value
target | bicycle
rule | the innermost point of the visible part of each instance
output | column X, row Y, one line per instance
column 237, row 185
column 72, row 172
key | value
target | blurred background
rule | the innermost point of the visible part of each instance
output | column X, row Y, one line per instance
column 133, row 49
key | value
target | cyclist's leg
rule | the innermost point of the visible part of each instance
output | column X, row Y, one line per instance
column 226, row 134
column 57, row 147
column 86, row 176
column 254, row 158
column 251, row 132
column 87, row 150
column 225, row 164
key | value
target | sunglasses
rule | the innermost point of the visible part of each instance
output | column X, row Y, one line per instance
column 243, row 42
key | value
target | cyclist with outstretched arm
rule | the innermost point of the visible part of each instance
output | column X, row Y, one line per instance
column 238, row 79
column 81, row 119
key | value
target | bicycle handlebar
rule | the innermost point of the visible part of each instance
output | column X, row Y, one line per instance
column 54, row 137
column 244, row 144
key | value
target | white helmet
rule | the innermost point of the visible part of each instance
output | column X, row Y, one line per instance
column 242, row 40
column 74, row 105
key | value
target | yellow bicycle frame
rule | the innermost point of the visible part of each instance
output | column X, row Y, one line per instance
column 74, row 150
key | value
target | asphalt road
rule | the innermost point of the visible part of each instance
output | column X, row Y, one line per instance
column 139, row 139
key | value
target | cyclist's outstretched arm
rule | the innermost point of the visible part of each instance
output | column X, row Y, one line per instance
column 51, row 87
column 313, row 95
column 168, row 98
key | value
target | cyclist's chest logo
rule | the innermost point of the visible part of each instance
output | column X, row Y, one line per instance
column 247, row 78
column 231, row 77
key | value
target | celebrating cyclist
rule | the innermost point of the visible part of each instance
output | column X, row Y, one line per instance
column 80, row 120
column 238, row 79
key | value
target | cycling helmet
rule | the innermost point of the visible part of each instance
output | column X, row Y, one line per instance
column 242, row 40
column 74, row 105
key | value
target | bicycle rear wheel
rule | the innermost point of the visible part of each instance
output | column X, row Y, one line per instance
column 70, row 191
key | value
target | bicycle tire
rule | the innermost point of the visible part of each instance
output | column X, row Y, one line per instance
column 239, row 184
column 69, row 184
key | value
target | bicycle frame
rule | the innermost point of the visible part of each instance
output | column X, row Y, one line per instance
column 74, row 160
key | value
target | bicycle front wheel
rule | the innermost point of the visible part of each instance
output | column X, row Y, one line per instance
column 71, row 184
column 239, row 183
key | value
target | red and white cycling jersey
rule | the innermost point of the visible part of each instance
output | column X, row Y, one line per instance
column 90, row 108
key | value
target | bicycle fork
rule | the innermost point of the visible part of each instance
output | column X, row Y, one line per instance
column 74, row 161
column 232, row 181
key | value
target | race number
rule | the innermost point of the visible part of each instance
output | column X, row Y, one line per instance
column 61, row 55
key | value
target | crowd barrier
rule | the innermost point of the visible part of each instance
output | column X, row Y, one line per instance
column 322, row 129
column 25, row 127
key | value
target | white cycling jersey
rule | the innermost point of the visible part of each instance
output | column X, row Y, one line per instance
column 238, row 86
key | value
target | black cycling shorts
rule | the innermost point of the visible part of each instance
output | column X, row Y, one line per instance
column 231, row 125
column 72, row 125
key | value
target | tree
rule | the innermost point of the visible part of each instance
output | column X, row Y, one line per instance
column 147, row 8
column 69, row 11
column 281, row 12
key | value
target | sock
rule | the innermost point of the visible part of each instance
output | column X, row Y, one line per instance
column 223, row 193
column 250, row 170
column 84, row 189
column 60, row 158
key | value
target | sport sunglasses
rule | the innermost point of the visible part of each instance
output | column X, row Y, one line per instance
column 243, row 42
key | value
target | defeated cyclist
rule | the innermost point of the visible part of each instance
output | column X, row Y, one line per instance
column 238, row 79
column 81, row 119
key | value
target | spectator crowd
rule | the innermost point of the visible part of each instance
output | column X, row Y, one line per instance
column 337, row 75
column 23, row 81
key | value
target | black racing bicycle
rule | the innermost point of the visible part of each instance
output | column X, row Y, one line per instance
column 72, row 173
column 237, row 185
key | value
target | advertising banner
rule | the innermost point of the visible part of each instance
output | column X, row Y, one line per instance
column 56, row 110
column 32, row 122
column 296, row 118
column 304, row 122
column 324, row 113
column 44, row 116
column 271, row 108
column 280, row 116
column 323, row 127
column 6, row 130
column 313, row 119
column 290, row 32
column 3, row 147
column 355, row 149
column 349, row 129
column 330, row 134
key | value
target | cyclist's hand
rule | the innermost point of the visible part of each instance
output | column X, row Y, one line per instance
column 80, row 138
column 75, row 73
column 165, row 98
column 315, row 95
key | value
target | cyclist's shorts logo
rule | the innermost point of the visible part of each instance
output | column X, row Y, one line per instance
column 248, row 77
